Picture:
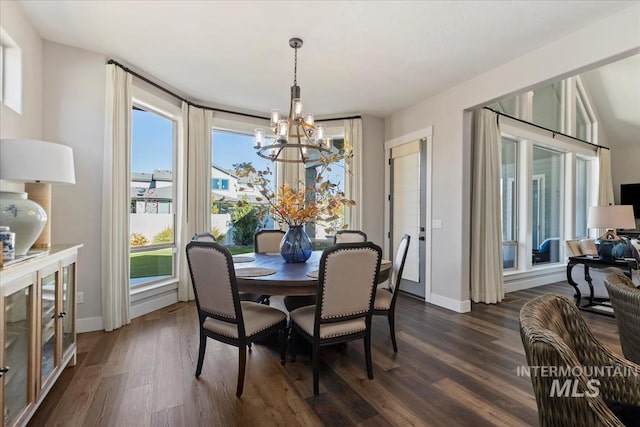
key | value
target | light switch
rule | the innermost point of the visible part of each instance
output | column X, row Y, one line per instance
column 436, row 223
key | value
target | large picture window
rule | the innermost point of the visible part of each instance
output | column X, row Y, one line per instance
column 152, row 212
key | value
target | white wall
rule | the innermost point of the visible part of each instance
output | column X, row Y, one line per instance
column 625, row 162
column 73, row 114
column 28, row 124
column 373, row 179
column 610, row 39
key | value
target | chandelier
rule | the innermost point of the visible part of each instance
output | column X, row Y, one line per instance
column 296, row 135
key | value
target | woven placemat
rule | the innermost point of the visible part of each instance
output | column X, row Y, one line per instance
column 243, row 259
column 254, row 272
column 314, row 273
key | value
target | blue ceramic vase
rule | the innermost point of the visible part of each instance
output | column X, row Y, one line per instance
column 296, row 245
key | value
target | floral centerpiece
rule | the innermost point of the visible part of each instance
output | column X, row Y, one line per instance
column 320, row 202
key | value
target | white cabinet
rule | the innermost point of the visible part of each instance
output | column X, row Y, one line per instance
column 37, row 327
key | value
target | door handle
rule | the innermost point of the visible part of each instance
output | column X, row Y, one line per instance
column 421, row 238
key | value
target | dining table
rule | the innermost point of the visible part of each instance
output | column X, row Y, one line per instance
column 270, row 274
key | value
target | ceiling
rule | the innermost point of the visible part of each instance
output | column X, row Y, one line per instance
column 358, row 57
column 614, row 91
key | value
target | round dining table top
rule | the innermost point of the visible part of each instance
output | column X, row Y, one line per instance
column 289, row 278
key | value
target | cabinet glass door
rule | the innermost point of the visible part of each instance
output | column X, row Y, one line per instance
column 48, row 330
column 68, row 293
column 17, row 324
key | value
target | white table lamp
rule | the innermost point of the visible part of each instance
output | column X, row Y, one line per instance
column 38, row 164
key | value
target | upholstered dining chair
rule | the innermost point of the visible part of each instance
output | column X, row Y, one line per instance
column 349, row 236
column 221, row 314
column 555, row 335
column 386, row 295
column 625, row 299
column 266, row 241
column 346, row 286
column 244, row 296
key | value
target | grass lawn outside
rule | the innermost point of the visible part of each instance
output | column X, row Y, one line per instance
column 160, row 262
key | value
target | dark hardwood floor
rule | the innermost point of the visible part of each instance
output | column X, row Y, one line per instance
column 451, row 370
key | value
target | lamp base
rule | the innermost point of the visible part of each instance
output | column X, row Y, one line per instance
column 24, row 217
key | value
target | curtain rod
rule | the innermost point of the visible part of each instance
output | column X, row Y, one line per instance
column 220, row 110
column 553, row 132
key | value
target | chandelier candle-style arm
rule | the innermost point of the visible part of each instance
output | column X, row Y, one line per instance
column 296, row 133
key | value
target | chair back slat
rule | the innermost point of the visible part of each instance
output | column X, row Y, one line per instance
column 350, row 236
column 348, row 275
column 267, row 241
column 398, row 263
column 212, row 278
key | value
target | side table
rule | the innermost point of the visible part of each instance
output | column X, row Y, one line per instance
column 593, row 303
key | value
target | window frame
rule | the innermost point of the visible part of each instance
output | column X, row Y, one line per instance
column 149, row 102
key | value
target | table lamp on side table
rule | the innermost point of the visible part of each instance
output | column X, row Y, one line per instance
column 38, row 164
column 611, row 217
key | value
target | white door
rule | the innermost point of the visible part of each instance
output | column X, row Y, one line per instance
column 407, row 211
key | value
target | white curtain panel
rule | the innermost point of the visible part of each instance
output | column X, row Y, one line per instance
column 194, row 213
column 353, row 181
column 487, row 284
column 116, row 182
column 605, row 183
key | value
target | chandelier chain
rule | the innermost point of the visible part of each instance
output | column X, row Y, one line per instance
column 295, row 66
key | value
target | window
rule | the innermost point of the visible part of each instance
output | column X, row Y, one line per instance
column 583, row 185
column 10, row 72
column 152, row 219
column 508, row 186
column 547, row 106
column 547, row 204
column 233, row 226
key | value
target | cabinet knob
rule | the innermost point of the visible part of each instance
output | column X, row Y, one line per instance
column 4, row 370
column 62, row 314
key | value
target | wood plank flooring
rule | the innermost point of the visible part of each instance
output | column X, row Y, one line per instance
column 451, row 369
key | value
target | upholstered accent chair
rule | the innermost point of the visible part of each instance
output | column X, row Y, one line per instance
column 346, row 288
column 554, row 334
column 387, row 294
column 208, row 237
column 349, row 236
column 267, row 241
column 625, row 299
column 221, row 314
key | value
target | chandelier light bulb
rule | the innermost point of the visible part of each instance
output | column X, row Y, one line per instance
column 258, row 136
column 319, row 133
column 308, row 118
column 327, row 142
column 297, row 108
column 275, row 117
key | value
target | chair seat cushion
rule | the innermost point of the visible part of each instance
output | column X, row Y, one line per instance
column 257, row 318
column 304, row 317
column 383, row 299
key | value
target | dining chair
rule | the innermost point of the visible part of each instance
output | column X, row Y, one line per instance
column 267, row 241
column 596, row 386
column 625, row 299
column 345, row 301
column 221, row 314
column 244, row 296
column 385, row 300
column 349, row 236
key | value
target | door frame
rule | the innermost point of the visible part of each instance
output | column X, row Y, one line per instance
column 425, row 134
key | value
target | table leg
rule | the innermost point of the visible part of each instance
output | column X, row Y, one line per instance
column 578, row 295
column 587, row 278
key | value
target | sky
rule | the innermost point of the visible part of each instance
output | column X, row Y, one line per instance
column 152, row 137
column 152, row 147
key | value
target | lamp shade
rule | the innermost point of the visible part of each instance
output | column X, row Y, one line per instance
column 613, row 216
column 30, row 160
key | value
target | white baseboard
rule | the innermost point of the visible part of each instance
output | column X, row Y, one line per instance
column 152, row 304
column 451, row 304
column 528, row 281
column 89, row 324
